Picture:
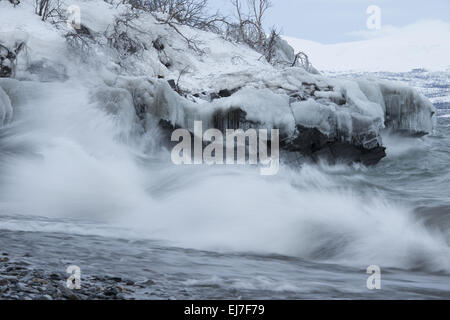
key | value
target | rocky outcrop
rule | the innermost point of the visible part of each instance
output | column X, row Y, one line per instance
column 314, row 144
column 174, row 82
column 330, row 121
column 308, row 142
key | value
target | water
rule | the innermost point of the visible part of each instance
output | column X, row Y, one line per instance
column 78, row 188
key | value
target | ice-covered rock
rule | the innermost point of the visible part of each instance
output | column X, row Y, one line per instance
column 407, row 110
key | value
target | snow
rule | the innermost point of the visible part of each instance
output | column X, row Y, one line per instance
column 421, row 45
column 20, row 23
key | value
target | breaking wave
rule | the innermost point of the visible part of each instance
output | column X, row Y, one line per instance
column 75, row 165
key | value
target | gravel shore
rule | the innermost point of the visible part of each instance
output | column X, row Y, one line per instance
column 20, row 280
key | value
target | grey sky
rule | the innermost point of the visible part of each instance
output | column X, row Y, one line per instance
column 330, row 21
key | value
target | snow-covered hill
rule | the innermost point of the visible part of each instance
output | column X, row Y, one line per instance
column 139, row 72
column 421, row 45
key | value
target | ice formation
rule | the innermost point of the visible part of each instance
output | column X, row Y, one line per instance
column 5, row 107
column 150, row 74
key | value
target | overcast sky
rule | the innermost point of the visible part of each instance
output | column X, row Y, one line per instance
column 331, row 21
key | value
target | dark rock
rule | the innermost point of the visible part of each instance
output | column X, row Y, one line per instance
column 311, row 142
column 307, row 141
column 55, row 276
column 147, row 283
column 11, row 279
column 15, row 2
column 12, row 268
column 84, row 31
column 115, row 279
column 39, row 281
column 111, row 291
column 297, row 96
column 172, row 84
column 5, row 71
column 225, row 93
column 158, row 44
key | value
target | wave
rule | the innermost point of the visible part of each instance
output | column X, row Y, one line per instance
column 74, row 163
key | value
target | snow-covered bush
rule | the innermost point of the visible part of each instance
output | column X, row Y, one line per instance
column 193, row 13
column 121, row 38
column 250, row 22
column 249, row 30
column 80, row 43
column 49, row 8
